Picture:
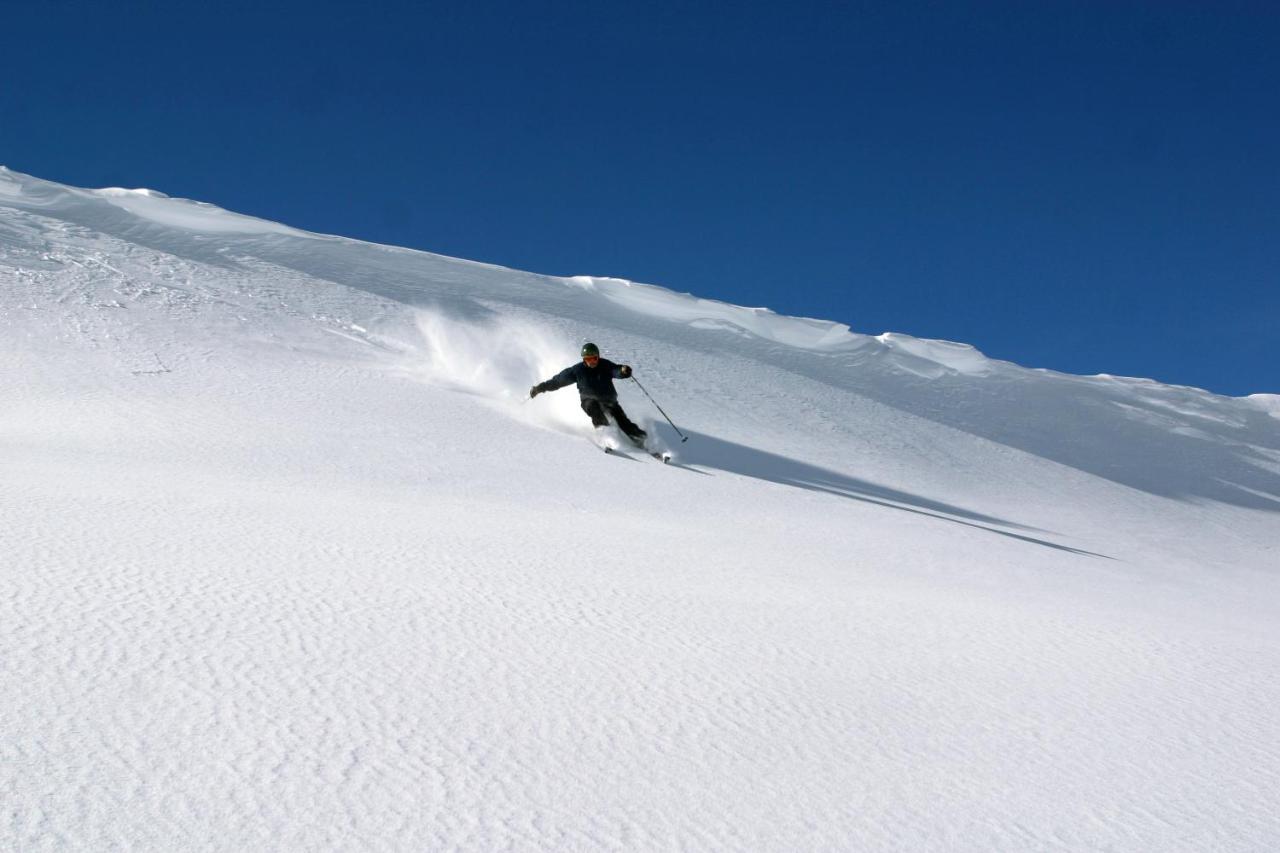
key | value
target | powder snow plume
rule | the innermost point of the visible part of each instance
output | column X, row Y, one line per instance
column 498, row 359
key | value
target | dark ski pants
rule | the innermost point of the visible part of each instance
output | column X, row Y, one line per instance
column 601, row 411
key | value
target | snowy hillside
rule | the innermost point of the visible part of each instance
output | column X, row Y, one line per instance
column 292, row 562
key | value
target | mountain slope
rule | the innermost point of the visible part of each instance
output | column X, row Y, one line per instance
column 294, row 563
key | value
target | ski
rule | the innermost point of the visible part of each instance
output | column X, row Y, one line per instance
column 662, row 456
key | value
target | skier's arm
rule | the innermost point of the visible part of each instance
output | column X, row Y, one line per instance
column 621, row 371
column 561, row 379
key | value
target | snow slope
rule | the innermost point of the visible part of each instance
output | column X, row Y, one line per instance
column 291, row 563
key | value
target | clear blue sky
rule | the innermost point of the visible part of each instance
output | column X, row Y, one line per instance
column 1085, row 186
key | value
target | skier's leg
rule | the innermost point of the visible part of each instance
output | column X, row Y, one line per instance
column 596, row 412
column 625, row 424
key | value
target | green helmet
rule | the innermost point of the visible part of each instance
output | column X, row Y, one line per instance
column 590, row 349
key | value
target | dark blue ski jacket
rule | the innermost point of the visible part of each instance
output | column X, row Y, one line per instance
column 594, row 383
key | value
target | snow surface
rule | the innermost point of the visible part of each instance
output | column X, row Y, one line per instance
column 292, row 563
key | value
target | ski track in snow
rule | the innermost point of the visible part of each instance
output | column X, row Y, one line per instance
column 292, row 564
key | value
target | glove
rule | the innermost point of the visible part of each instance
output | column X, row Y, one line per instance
column 624, row 371
column 534, row 391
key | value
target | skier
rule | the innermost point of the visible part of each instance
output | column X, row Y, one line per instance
column 594, row 376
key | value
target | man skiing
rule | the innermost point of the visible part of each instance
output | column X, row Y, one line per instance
column 594, row 376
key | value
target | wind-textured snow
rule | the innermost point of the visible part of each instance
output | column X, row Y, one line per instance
column 290, row 562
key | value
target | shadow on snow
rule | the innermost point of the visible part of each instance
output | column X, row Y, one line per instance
column 711, row 452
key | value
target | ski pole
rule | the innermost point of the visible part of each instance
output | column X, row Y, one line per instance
column 683, row 437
